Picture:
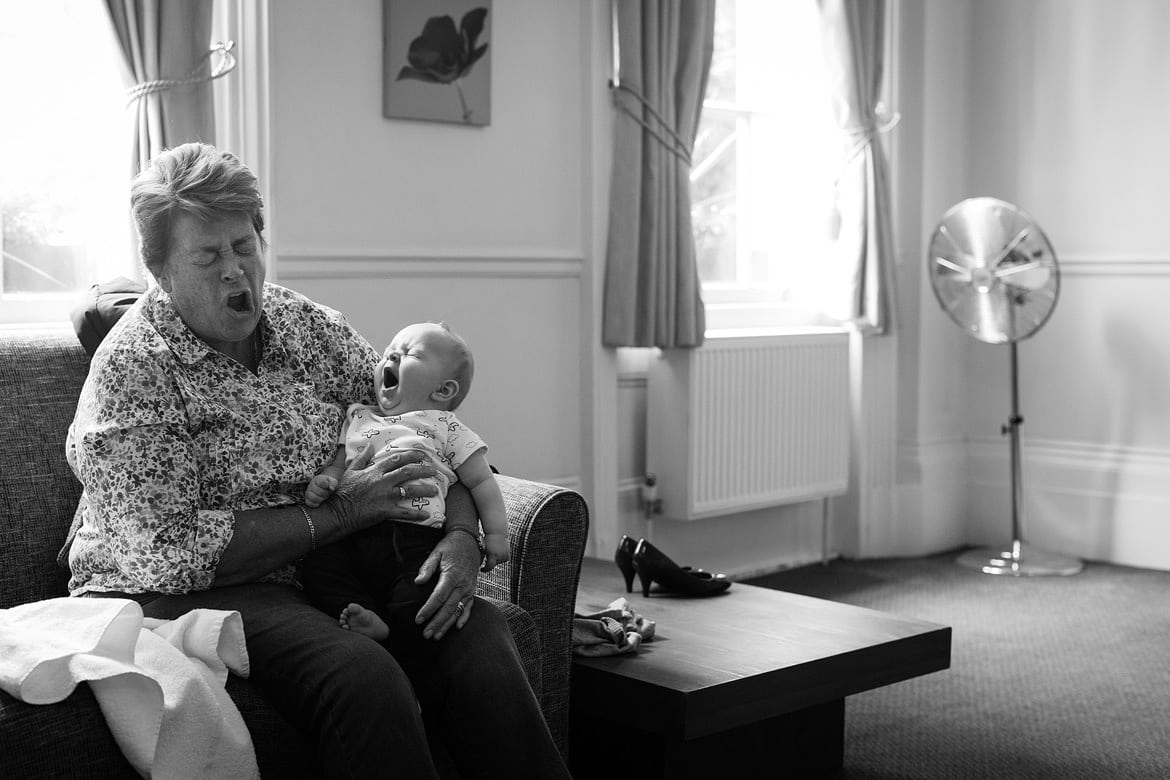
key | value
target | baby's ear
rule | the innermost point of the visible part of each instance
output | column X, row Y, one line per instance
column 446, row 391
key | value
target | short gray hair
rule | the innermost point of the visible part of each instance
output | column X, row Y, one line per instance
column 195, row 179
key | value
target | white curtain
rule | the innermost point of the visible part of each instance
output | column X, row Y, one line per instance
column 854, row 31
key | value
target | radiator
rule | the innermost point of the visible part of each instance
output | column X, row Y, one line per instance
column 749, row 422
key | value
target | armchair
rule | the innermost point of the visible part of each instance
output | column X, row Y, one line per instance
column 41, row 373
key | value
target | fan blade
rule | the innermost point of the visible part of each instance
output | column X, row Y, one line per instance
column 1007, row 250
column 960, row 253
column 1000, row 273
column 963, row 273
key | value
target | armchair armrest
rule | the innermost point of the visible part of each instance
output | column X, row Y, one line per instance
column 547, row 528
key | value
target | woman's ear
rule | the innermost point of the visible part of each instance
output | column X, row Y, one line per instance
column 446, row 391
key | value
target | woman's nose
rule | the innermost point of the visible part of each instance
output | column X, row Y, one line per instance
column 233, row 268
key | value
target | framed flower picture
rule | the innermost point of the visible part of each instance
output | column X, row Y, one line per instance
column 436, row 60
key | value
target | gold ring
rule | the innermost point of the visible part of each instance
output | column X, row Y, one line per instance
column 459, row 606
column 402, row 491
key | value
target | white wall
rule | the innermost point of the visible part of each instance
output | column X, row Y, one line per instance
column 930, row 87
column 393, row 221
column 1080, row 143
column 1053, row 104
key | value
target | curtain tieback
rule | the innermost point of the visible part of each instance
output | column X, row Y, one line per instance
column 673, row 144
column 225, row 65
column 862, row 135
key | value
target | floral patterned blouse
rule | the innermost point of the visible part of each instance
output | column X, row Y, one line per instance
column 171, row 436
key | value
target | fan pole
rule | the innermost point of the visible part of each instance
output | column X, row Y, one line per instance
column 1013, row 431
column 1020, row 559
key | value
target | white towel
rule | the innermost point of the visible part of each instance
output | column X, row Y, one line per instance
column 159, row 683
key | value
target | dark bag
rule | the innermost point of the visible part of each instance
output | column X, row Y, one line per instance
column 101, row 307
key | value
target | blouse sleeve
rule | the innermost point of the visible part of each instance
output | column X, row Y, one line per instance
column 131, row 450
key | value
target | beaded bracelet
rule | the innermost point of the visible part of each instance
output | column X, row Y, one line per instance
column 312, row 528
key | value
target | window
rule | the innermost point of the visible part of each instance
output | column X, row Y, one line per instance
column 65, row 146
column 64, row 156
column 766, row 159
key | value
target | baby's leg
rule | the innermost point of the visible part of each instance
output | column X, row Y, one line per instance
column 363, row 621
column 330, row 576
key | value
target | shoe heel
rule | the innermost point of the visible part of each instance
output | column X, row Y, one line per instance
column 653, row 565
column 624, row 558
column 647, row 580
column 628, row 575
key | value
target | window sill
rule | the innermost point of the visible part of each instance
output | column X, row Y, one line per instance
column 762, row 316
column 793, row 330
column 37, row 309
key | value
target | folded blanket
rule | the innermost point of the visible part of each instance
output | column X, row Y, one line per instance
column 159, row 683
column 615, row 629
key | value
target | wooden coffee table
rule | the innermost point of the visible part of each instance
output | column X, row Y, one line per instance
column 753, row 678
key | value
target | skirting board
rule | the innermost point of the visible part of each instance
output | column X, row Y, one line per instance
column 741, row 546
column 1096, row 502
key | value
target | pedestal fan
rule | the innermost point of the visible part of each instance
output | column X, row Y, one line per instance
column 995, row 274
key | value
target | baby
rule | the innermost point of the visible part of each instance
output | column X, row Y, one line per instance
column 422, row 378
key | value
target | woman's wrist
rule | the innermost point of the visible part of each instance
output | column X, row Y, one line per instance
column 476, row 537
column 340, row 508
column 331, row 520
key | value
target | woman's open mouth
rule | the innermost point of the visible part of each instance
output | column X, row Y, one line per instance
column 241, row 302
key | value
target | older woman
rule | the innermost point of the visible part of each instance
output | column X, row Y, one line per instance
column 207, row 409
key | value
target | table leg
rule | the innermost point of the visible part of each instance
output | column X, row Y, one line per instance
column 805, row 743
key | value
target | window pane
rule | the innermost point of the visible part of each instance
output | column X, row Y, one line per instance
column 64, row 148
column 767, row 157
column 721, row 76
column 713, row 197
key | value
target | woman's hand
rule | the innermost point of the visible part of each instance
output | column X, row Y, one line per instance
column 456, row 559
column 368, row 494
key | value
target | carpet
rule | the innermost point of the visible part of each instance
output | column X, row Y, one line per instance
column 1061, row 677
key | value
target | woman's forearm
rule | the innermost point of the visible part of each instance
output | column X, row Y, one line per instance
column 263, row 540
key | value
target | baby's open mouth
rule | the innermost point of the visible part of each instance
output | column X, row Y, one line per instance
column 389, row 378
column 241, row 301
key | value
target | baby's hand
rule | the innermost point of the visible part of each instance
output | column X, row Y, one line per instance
column 496, row 550
column 319, row 489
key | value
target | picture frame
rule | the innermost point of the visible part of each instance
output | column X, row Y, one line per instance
column 436, row 61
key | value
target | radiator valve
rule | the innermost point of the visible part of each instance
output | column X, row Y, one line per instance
column 651, row 503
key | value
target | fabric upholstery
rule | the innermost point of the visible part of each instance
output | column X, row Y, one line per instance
column 41, row 372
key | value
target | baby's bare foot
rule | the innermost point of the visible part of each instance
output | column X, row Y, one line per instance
column 362, row 621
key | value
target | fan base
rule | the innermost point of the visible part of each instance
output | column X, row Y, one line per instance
column 1027, row 561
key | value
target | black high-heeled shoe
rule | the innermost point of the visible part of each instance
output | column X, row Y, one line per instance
column 624, row 558
column 652, row 565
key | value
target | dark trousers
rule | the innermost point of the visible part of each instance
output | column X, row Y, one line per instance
column 376, row 568
column 359, row 701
